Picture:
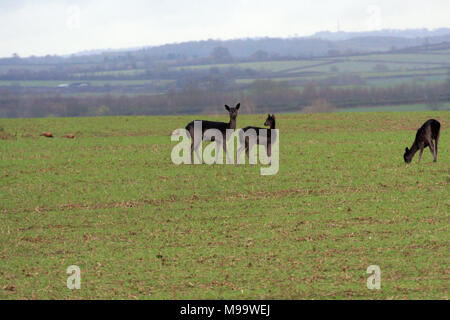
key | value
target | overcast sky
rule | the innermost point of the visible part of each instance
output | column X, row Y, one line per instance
column 39, row 27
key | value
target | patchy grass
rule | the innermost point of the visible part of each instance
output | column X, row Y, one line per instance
column 112, row 202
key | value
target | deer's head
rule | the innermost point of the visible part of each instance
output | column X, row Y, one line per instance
column 233, row 111
column 270, row 120
column 407, row 156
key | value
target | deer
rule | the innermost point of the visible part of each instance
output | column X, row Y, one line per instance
column 220, row 126
column 47, row 135
column 249, row 136
column 69, row 136
column 429, row 131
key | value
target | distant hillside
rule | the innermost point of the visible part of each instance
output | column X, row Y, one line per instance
column 408, row 33
column 256, row 49
column 320, row 44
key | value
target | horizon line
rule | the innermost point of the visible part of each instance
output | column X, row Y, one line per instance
column 100, row 51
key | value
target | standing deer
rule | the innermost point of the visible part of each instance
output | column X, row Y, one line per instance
column 206, row 125
column 429, row 131
column 249, row 136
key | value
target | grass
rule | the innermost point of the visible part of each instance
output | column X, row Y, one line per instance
column 138, row 226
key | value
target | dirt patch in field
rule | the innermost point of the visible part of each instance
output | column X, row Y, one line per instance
column 6, row 136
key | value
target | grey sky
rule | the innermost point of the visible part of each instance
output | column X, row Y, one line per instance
column 42, row 27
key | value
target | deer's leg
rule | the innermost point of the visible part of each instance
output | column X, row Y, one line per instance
column 421, row 151
column 241, row 148
column 436, row 144
column 433, row 150
column 225, row 150
column 217, row 151
column 190, row 133
column 247, row 151
column 269, row 152
column 251, row 160
column 196, row 152
column 192, row 151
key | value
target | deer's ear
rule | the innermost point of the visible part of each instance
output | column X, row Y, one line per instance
column 227, row 107
column 406, row 149
column 238, row 106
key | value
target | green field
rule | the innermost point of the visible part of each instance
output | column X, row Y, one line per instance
column 138, row 226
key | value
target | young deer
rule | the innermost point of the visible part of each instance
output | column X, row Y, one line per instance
column 424, row 138
column 249, row 136
column 206, row 125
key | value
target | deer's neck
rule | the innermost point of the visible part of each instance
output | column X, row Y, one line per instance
column 232, row 123
column 272, row 126
column 413, row 149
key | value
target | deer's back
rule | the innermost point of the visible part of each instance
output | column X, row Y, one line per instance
column 254, row 128
column 260, row 139
column 430, row 129
column 222, row 126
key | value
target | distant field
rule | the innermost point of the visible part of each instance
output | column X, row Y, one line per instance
column 273, row 66
column 114, row 73
column 408, row 107
column 407, row 58
column 39, row 67
column 382, row 82
column 364, row 63
column 112, row 202
column 6, row 68
column 53, row 83
column 362, row 66
column 398, row 68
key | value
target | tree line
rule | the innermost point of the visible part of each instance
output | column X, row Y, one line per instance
column 261, row 96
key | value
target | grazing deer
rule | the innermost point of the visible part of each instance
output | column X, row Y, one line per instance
column 47, row 135
column 249, row 136
column 220, row 126
column 429, row 131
